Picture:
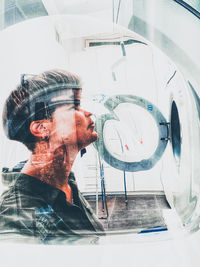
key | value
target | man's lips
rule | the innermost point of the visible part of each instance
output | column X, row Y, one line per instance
column 91, row 125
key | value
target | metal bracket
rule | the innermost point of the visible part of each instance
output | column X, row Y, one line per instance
column 167, row 125
column 165, row 139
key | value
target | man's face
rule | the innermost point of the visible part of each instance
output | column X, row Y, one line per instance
column 72, row 125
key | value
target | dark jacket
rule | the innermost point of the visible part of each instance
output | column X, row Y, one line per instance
column 33, row 208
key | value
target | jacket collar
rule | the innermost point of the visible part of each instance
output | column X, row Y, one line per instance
column 34, row 186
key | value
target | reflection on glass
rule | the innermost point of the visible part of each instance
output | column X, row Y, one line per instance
column 119, row 71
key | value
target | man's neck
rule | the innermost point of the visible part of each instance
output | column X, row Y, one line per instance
column 52, row 168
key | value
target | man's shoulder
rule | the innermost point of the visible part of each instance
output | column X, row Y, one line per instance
column 20, row 197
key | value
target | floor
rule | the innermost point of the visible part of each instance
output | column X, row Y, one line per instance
column 141, row 211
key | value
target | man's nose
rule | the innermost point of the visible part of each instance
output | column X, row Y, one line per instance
column 87, row 113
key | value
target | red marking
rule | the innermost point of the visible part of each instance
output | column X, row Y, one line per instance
column 127, row 147
column 141, row 142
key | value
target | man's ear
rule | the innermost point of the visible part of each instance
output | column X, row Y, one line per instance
column 40, row 128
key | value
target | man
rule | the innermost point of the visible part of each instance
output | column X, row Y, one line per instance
column 44, row 114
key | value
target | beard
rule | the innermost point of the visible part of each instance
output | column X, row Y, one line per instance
column 85, row 141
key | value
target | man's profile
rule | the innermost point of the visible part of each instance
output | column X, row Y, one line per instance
column 44, row 114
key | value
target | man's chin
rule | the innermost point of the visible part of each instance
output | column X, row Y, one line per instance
column 94, row 136
column 91, row 140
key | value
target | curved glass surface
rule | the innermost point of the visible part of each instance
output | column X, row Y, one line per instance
column 134, row 152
